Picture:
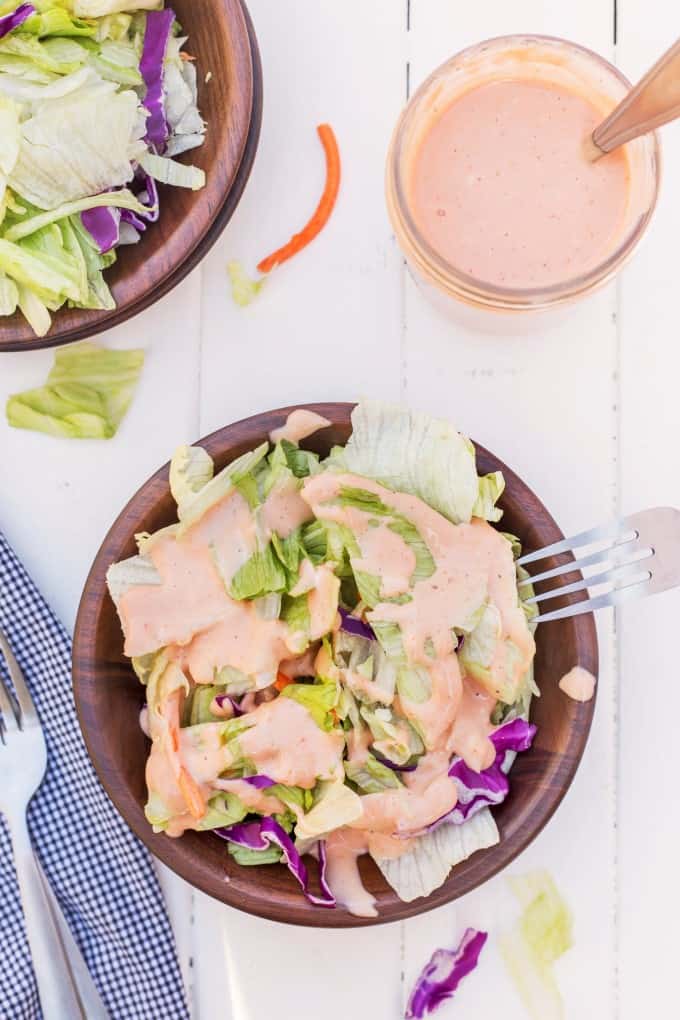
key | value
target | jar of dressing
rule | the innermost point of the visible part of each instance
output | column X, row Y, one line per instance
column 501, row 215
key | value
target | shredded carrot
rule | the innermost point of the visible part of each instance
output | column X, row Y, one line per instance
column 282, row 681
column 191, row 792
column 185, row 56
column 323, row 209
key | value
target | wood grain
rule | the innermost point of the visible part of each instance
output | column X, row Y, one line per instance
column 108, row 699
column 222, row 39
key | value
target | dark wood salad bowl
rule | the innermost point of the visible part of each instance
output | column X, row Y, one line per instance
column 222, row 39
column 109, row 697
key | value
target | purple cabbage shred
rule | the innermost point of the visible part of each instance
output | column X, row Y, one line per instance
column 259, row 835
column 353, row 625
column 11, row 21
column 259, row 782
column 441, row 976
column 236, row 708
column 151, row 67
column 103, row 225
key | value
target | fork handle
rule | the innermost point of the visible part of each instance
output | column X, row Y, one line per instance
column 59, row 998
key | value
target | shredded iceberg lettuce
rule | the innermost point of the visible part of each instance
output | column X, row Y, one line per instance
column 88, row 391
column 78, row 131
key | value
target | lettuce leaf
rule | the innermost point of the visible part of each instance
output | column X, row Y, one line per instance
column 246, row 857
column 393, row 737
column 370, row 503
column 191, row 468
column 371, row 776
column 168, row 171
column 79, row 145
column 336, row 805
column 414, row 453
column 490, row 491
column 262, row 574
column 10, row 141
column 229, row 478
column 319, row 698
column 223, row 809
column 88, row 391
column 9, row 295
column 99, row 8
column 427, row 865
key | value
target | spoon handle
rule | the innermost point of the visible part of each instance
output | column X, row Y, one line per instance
column 653, row 101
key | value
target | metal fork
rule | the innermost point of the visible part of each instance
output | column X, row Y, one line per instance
column 638, row 555
column 23, row 759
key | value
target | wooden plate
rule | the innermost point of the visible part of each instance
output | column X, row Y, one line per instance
column 109, row 697
column 222, row 38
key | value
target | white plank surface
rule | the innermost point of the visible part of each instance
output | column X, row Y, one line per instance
column 586, row 414
column 650, row 424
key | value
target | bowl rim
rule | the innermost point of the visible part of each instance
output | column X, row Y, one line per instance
column 248, row 432
column 102, row 322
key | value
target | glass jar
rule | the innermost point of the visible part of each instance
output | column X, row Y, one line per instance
column 526, row 58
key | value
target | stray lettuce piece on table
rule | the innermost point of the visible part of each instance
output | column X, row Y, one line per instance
column 87, row 393
column 541, row 936
column 445, row 970
column 243, row 289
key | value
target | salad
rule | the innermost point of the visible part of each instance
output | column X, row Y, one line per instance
column 97, row 98
column 335, row 654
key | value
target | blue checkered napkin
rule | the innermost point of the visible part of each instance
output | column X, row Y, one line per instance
column 101, row 875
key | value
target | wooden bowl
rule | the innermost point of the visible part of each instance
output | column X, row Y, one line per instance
column 109, row 697
column 222, row 39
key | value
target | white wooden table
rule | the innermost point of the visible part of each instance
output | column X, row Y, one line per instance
column 588, row 415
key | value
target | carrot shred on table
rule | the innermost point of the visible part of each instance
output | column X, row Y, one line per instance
column 282, row 681
column 323, row 210
column 186, row 56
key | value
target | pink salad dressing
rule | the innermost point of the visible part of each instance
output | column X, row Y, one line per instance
column 300, row 424
column 578, row 684
column 502, row 189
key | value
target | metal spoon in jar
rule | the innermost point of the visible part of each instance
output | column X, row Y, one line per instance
column 652, row 102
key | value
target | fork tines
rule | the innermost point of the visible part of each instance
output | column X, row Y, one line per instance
column 626, row 559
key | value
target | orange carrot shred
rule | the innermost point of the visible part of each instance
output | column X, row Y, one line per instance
column 282, row 681
column 191, row 792
column 186, row 56
column 323, row 210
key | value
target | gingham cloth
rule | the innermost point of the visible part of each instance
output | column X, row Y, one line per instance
column 101, row 875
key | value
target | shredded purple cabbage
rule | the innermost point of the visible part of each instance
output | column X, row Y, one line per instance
column 259, row 782
column 11, row 21
column 323, row 881
column 259, row 835
column 440, row 977
column 390, row 764
column 128, row 216
column 151, row 67
column 353, row 625
column 221, row 698
column 144, row 183
column 104, row 226
column 477, row 790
